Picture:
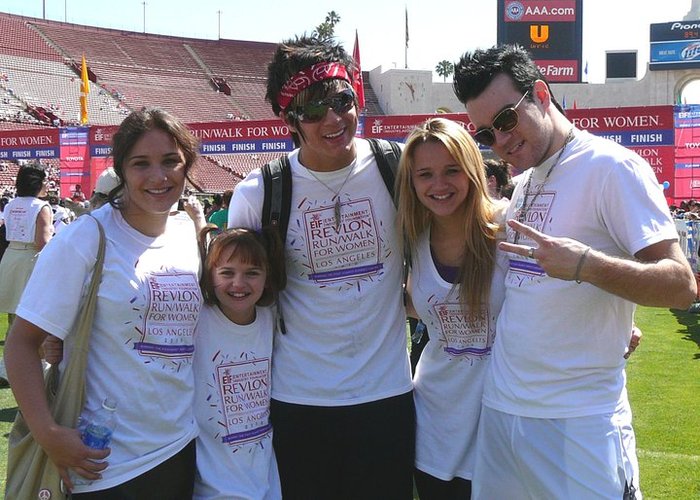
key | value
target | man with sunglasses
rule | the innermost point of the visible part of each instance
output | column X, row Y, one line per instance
column 589, row 236
column 342, row 409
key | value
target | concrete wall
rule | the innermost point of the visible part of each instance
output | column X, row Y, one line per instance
column 405, row 91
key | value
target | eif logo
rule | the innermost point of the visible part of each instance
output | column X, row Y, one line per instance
column 539, row 33
column 377, row 127
column 514, row 11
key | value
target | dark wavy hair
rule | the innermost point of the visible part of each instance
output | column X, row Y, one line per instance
column 30, row 179
column 476, row 70
column 131, row 130
column 296, row 54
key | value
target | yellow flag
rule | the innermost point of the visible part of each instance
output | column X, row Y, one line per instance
column 84, row 91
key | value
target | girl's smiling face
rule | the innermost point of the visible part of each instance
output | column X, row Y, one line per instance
column 238, row 285
column 441, row 184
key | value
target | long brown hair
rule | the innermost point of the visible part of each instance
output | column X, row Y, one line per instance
column 480, row 228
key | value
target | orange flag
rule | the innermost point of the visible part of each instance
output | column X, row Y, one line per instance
column 357, row 82
column 84, row 91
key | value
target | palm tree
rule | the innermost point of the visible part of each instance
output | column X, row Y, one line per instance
column 444, row 68
column 326, row 29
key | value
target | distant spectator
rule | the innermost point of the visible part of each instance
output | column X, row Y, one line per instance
column 106, row 182
column 29, row 227
column 216, row 204
column 78, row 195
column 61, row 216
column 3, row 201
column 220, row 217
column 207, row 206
column 498, row 179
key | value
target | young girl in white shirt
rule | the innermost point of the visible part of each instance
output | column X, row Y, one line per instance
column 243, row 271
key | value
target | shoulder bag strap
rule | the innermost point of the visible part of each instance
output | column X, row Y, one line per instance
column 70, row 395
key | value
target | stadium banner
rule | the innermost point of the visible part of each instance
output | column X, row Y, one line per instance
column 646, row 130
column 687, row 125
column 654, row 132
column 75, row 160
column 397, row 127
column 101, row 140
column 635, row 126
column 674, row 45
column 688, row 142
column 687, row 179
column 687, row 152
column 551, row 30
column 32, row 144
column 254, row 136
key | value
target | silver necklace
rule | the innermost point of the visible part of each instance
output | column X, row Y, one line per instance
column 527, row 206
column 336, row 194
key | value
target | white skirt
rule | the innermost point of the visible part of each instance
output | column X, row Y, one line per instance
column 15, row 269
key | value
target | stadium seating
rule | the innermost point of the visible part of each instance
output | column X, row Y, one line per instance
column 241, row 164
column 243, row 65
column 145, row 70
column 55, row 86
column 209, row 177
column 18, row 39
column 39, row 69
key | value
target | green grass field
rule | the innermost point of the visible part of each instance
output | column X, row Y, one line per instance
column 664, row 389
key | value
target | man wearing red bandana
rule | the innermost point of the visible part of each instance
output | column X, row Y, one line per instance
column 342, row 409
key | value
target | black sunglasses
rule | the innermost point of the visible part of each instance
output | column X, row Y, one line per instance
column 314, row 111
column 504, row 121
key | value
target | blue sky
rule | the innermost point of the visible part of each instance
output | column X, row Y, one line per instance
column 439, row 29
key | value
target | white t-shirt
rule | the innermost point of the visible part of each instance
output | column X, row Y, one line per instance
column 560, row 345
column 235, row 458
column 449, row 376
column 141, row 346
column 343, row 309
column 20, row 218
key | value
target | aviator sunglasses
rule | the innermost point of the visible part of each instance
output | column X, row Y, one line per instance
column 505, row 121
column 314, row 111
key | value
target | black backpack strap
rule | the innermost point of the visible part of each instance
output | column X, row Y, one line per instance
column 387, row 154
column 277, row 203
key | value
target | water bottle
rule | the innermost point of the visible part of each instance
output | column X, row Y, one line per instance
column 98, row 429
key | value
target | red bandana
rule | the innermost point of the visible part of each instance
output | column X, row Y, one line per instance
column 307, row 77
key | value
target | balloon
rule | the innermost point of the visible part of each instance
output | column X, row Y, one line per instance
column 666, row 185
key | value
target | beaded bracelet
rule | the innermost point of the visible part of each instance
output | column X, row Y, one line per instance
column 580, row 265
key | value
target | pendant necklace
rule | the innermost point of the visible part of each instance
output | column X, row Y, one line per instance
column 527, row 206
column 336, row 194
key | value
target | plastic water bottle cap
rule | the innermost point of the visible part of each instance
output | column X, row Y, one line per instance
column 109, row 404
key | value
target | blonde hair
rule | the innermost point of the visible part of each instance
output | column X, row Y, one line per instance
column 480, row 228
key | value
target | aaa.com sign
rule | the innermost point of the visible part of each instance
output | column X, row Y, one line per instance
column 557, row 11
column 550, row 29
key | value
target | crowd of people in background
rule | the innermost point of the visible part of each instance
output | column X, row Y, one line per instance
column 286, row 373
column 687, row 209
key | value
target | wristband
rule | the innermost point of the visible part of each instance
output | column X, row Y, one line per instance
column 580, row 265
